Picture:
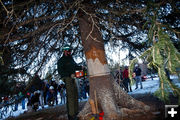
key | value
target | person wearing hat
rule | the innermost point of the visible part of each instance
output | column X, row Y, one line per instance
column 55, row 85
column 66, row 68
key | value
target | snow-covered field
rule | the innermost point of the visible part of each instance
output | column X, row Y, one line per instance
column 10, row 111
column 149, row 86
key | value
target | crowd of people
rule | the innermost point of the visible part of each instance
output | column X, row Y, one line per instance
column 44, row 92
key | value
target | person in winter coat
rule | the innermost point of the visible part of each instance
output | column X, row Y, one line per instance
column 126, row 80
column 51, row 96
column 55, row 85
column 45, row 86
column 66, row 68
column 62, row 91
column 34, row 100
column 138, row 79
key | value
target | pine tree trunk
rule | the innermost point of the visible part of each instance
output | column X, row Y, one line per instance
column 110, row 97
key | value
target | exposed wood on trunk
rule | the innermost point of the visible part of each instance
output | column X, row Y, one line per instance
column 110, row 97
column 93, row 46
column 97, row 66
column 93, row 107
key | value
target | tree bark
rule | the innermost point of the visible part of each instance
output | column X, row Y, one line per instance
column 110, row 97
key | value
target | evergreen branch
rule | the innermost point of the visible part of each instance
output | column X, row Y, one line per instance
column 153, row 54
column 162, row 52
column 131, row 68
column 146, row 53
column 174, row 88
column 169, row 61
column 161, row 80
column 168, row 27
column 178, row 58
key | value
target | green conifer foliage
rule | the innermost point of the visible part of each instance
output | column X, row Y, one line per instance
column 162, row 55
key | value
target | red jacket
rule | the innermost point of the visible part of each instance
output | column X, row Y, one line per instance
column 125, row 74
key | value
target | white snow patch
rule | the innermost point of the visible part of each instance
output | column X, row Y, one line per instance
column 96, row 68
column 150, row 86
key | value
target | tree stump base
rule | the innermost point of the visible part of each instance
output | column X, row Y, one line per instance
column 122, row 114
column 126, row 108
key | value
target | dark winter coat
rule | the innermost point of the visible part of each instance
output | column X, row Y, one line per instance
column 34, row 98
column 137, row 71
column 67, row 66
column 50, row 95
column 55, row 85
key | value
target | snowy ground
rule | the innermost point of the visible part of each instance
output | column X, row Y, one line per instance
column 149, row 86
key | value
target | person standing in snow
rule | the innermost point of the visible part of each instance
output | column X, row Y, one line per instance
column 126, row 80
column 138, row 79
column 66, row 68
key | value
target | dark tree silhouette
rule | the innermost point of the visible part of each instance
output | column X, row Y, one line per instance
column 33, row 32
